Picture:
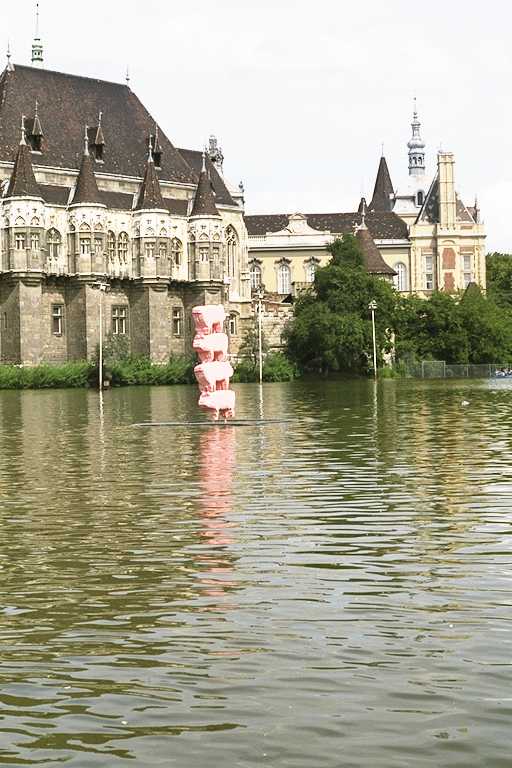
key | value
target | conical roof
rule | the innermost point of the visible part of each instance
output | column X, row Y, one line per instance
column 86, row 189
column 383, row 192
column 204, row 201
column 373, row 261
column 150, row 194
column 23, row 182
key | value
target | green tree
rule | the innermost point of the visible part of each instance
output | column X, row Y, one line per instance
column 331, row 329
column 499, row 278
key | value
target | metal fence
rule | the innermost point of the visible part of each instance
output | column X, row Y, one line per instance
column 438, row 369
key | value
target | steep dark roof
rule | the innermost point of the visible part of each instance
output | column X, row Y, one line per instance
column 150, row 194
column 382, row 225
column 430, row 209
column 86, row 190
column 195, row 161
column 23, row 182
column 68, row 102
column 204, row 200
column 383, row 191
column 120, row 201
column 372, row 259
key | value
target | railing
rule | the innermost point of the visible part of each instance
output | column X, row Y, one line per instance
column 439, row 369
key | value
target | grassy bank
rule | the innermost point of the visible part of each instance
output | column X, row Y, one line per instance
column 46, row 376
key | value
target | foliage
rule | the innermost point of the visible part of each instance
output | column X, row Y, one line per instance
column 332, row 329
column 499, row 278
column 140, row 370
column 276, row 367
column 249, row 348
column 45, row 376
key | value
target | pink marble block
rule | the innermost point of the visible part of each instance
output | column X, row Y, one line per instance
column 209, row 319
column 212, row 376
column 222, row 402
column 212, row 347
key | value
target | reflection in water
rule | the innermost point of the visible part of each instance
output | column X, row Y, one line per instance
column 279, row 594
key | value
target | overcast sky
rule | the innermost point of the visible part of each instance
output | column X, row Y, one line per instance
column 302, row 94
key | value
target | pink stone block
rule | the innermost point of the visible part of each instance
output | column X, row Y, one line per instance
column 212, row 376
column 222, row 402
column 209, row 319
column 212, row 347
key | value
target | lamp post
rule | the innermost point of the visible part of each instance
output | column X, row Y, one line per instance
column 372, row 306
column 103, row 287
column 260, row 294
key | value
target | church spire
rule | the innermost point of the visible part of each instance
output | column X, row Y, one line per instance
column 86, row 189
column 383, row 192
column 23, row 182
column 416, row 147
column 37, row 46
column 150, row 194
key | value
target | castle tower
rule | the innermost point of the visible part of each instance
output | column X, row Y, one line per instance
column 205, row 232
column 151, row 221
column 86, row 222
column 416, row 147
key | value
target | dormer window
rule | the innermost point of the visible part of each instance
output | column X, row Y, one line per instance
column 36, row 143
column 156, row 149
column 157, row 157
column 97, row 141
column 98, row 153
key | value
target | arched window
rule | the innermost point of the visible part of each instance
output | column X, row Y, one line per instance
column 310, row 268
column 122, row 247
column 162, row 249
column 111, row 245
column 54, row 241
column 233, row 324
column 421, row 197
column 255, row 276
column 176, row 251
column 283, row 279
column 400, row 279
column 231, row 249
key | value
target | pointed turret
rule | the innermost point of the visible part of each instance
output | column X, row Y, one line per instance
column 37, row 129
column 23, row 182
column 373, row 261
column 416, row 147
column 383, row 192
column 150, row 194
column 86, row 189
column 99, row 139
column 204, row 201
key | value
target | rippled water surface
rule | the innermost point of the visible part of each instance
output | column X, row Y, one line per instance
column 333, row 591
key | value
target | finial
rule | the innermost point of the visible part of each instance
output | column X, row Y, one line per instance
column 150, row 147
column 127, row 75
column 37, row 48
column 37, row 104
column 9, row 62
column 100, row 115
column 23, row 141
column 382, row 149
column 415, row 109
column 37, row 21
column 86, row 140
column 363, row 213
column 203, row 168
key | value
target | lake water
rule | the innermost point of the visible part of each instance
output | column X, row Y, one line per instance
column 332, row 592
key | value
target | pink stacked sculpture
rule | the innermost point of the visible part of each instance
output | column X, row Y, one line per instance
column 214, row 371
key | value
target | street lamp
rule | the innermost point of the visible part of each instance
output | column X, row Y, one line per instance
column 103, row 287
column 259, row 295
column 372, row 306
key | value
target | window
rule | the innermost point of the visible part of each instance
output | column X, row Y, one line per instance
column 204, row 254
column 283, row 279
column 177, row 321
column 421, row 197
column 35, row 142
column 310, row 271
column 400, row 279
column 162, row 249
column 429, row 273
column 176, row 251
column 232, row 325
column 149, row 250
column 468, row 274
column 98, row 245
column 20, row 241
column 119, row 318
column 122, row 247
column 111, row 245
column 231, row 248
column 54, row 241
column 255, row 276
column 85, row 246
column 57, row 319
column 98, row 152
column 34, row 241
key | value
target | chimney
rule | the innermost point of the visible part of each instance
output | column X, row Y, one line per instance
column 447, row 202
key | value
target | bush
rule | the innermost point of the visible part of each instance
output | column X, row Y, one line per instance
column 141, row 371
column 276, row 367
column 45, row 376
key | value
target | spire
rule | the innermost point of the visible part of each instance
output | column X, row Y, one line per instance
column 23, row 182
column 416, row 146
column 99, row 138
column 150, row 194
column 383, row 192
column 204, row 201
column 127, row 76
column 86, row 188
column 37, row 129
column 37, row 46
column 10, row 65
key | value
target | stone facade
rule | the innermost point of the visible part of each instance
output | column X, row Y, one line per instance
column 73, row 217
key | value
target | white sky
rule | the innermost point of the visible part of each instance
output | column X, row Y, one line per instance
column 301, row 94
